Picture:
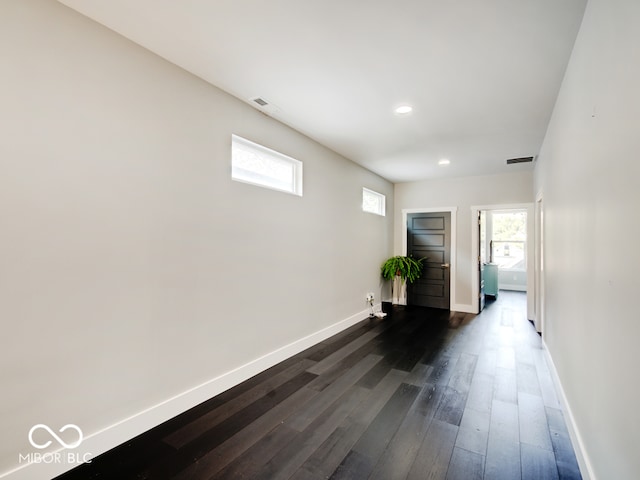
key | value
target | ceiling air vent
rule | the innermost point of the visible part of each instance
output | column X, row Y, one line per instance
column 261, row 101
column 511, row 161
column 264, row 106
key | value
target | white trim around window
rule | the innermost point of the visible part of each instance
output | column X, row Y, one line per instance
column 373, row 202
column 257, row 165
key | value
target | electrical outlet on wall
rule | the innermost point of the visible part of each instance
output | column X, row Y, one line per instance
column 370, row 297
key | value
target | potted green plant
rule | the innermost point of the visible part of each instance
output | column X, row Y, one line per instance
column 401, row 270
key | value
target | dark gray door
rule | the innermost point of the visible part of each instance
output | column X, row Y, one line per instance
column 429, row 236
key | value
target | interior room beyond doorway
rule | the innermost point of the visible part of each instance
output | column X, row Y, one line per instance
column 503, row 236
column 503, row 242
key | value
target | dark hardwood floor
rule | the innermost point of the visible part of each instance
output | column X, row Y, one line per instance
column 421, row 394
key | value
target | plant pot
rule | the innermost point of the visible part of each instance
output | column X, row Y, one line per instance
column 399, row 291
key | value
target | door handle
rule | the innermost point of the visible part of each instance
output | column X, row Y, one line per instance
column 444, row 265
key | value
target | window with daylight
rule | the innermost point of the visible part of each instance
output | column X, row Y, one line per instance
column 373, row 202
column 258, row 165
column 509, row 239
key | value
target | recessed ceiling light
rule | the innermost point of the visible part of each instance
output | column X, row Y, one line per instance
column 403, row 110
column 444, row 161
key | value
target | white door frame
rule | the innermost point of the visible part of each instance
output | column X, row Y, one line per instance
column 454, row 227
column 475, row 286
column 539, row 266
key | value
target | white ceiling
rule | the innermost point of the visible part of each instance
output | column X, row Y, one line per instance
column 482, row 75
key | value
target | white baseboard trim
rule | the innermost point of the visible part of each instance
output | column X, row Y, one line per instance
column 586, row 468
column 456, row 307
column 461, row 307
column 104, row 440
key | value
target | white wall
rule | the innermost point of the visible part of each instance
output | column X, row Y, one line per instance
column 463, row 193
column 588, row 174
column 513, row 280
column 132, row 268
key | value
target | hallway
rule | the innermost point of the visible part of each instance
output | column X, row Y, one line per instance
column 420, row 394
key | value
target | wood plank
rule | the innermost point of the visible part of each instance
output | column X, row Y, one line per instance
column 326, row 363
column 251, row 463
column 527, row 379
column 290, row 455
column 304, row 474
column 505, row 385
column 465, row 465
column 506, row 358
column 474, row 431
column 463, row 373
column 184, row 457
column 429, row 400
column 434, row 455
column 336, row 447
column 547, row 386
column 507, row 317
column 338, row 369
column 481, row 392
column 503, row 459
column 419, row 375
column 562, row 448
column 354, row 467
column 410, row 358
column 402, row 348
column 534, row 429
column 451, row 406
column 487, row 361
column 503, row 446
column 537, row 463
column 336, row 342
column 433, row 346
column 442, row 369
column 524, row 354
column 398, row 457
column 301, row 419
column 381, row 430
column 377, row 373
column 505, row 421
column 200, row 425
column 232, row 447
column 130, row 457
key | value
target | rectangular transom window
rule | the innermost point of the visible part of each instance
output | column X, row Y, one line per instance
column 373, row 202
column 258, row 165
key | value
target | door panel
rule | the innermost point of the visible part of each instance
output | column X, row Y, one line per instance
column 428, row 240
column 433, row 274
column 428, row 236
column 429, row 223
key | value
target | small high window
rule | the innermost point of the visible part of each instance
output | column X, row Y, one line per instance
column 373, row 202
column 252, row 163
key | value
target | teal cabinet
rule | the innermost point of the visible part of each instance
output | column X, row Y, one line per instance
column 491, row 279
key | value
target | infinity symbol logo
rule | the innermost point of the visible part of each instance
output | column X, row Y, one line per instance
column 53, row 434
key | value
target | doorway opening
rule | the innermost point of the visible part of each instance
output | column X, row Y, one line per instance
column 505, row 246
column 502, row 245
